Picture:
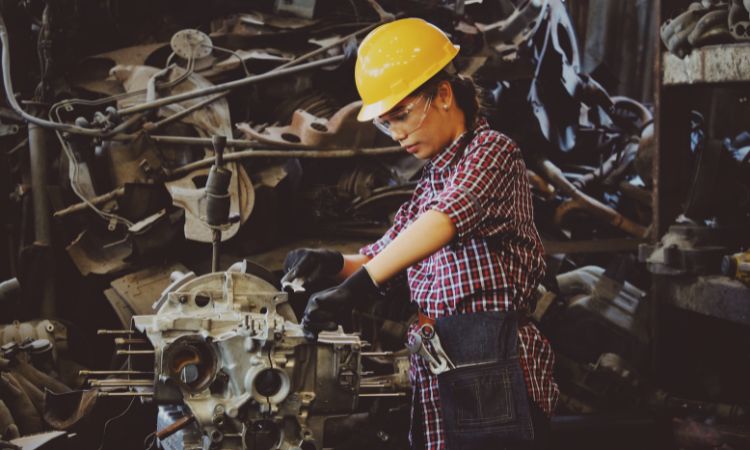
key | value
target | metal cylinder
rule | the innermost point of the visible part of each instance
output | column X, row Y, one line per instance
column 39, row 166
column 218, row 198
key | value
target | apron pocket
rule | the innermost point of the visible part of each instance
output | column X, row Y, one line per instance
column 481, row 395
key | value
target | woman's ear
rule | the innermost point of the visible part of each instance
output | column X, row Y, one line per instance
column 444, row 95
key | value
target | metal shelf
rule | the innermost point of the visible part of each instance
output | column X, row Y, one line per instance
column 727, row 63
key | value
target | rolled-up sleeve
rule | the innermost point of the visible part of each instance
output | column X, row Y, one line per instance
column 483, row 175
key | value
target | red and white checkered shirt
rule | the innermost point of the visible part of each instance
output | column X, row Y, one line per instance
column 494, row 264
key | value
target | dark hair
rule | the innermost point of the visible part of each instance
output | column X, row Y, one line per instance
column 465, row 91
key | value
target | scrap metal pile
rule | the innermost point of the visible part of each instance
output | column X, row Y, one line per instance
column 707, row 22
column 109, row 144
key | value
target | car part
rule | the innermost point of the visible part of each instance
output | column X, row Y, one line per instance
column 228, row 353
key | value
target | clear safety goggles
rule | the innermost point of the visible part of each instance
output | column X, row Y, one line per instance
column 404, row 118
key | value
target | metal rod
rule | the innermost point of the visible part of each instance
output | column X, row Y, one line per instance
column 175, row 426
column 282, row 153
column 125, row 394
column 375, row 385
column 114, row 372
column 128, row 341
column 123, row 383
column 195, row 141
column 215, row 250
column 384, row 394
column 136, row 352
column 376, row 353
column 38, row 164
column 100, row 332
column 98, row 200
column 230, row 85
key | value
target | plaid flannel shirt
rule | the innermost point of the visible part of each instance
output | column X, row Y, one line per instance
column 494, row 264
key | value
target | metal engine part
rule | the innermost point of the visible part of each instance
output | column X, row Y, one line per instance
column 232, row 367
column 54, row 333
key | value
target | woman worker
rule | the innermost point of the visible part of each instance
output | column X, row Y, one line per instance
column 467, row 240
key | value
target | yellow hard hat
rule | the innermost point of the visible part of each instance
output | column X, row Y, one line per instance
column 395, row 59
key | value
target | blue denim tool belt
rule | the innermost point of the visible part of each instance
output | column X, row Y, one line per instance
column 484, row 400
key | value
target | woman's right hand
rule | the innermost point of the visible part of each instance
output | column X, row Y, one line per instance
column 305, row 266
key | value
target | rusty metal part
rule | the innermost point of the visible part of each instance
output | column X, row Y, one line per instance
column 175, row 426
column 711, row 28
column 674, row 32
column 581, row 201
column 308, row 131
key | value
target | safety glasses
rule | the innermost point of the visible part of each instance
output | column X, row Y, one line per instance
column 404, row 118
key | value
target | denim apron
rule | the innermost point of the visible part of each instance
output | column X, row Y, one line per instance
column 484, row 400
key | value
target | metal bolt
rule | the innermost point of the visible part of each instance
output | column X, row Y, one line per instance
column 382, row 435
column 182, row 299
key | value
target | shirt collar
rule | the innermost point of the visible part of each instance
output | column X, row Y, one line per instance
column 444, row 159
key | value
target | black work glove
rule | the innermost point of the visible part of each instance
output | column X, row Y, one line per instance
column 311, row 265
column 323, row 307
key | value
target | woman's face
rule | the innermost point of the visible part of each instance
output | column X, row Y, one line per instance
column 424, row 124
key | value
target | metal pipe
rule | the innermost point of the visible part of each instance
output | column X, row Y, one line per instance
column 136, row 352
column 376, row 353
column 215, row 241
column 39, row 165
column 384, row 394
column 38, row 160
column 100, row 332
column 123, row 383
column 113, row 372
column 125, row 394
column 127, row 341
column 230, row 85
column 281, row 153
column 175, row 426
column 98, row 200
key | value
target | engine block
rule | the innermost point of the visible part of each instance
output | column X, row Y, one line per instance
column 234, row 369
